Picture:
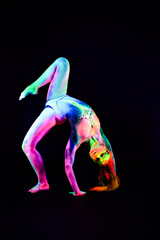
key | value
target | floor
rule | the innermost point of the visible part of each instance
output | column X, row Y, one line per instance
column 55, row 214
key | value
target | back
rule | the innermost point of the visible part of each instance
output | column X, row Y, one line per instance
column 76, row 110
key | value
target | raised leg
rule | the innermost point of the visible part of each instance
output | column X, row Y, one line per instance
column 40, row 127
column 59, row 83
column 57, row 75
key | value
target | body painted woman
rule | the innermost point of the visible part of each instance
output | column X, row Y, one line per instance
column 85, row 126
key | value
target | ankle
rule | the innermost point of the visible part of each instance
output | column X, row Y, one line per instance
column 43, row 182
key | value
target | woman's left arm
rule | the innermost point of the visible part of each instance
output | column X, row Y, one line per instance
column 70, row 151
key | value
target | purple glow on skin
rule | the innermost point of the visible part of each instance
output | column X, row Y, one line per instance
column 85, row 126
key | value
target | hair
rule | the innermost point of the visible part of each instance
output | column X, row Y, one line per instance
column 108, row 180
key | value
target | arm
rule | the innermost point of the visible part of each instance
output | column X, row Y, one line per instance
column 69, row 160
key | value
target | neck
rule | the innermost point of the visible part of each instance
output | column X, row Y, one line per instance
column 94, row 143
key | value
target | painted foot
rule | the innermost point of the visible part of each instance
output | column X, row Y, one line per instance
column 39, row 187
column 29, row 90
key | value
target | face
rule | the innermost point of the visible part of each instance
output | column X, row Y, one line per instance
column 100, row 155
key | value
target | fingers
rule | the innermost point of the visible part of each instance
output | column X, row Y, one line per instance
column 73, row 193
column 82, row 193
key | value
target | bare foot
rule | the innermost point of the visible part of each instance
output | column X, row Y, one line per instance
column 39, row 187
column 29, row 90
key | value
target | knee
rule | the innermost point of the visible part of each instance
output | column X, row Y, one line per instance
column 63, row 61
column 27, row 146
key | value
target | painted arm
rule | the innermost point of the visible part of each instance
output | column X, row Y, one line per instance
column 69, row 160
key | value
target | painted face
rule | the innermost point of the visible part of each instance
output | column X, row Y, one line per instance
column 100, row 155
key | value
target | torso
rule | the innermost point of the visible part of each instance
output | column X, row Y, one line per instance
column 79, row 113
column 81, row 116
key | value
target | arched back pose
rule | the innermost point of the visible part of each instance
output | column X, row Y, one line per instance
column 85, row 126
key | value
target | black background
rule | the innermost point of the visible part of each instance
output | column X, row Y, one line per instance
column 114, row 51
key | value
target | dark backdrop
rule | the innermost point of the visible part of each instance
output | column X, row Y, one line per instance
column 114, row 55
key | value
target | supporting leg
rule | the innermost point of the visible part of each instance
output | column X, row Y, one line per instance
column 40, row 127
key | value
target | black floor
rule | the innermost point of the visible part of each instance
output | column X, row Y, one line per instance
column 129, row 212
column 54, row 214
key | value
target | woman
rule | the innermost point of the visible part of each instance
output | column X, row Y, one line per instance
column 85, row 126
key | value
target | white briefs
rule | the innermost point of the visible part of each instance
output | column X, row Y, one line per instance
column 53, row 103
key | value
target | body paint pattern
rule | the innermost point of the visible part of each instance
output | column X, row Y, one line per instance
column 85, row 126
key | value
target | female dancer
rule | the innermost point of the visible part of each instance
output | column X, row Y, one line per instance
column 85, row 126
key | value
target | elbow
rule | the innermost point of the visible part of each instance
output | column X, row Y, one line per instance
column 68, row 169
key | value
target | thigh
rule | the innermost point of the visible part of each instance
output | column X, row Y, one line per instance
column 59, row 83
column 45, row 121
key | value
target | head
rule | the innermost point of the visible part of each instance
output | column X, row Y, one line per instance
column 100, row 155
column 108, row 180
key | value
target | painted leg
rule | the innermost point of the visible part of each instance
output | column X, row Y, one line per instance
column 57, row 75
column 40, row 127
